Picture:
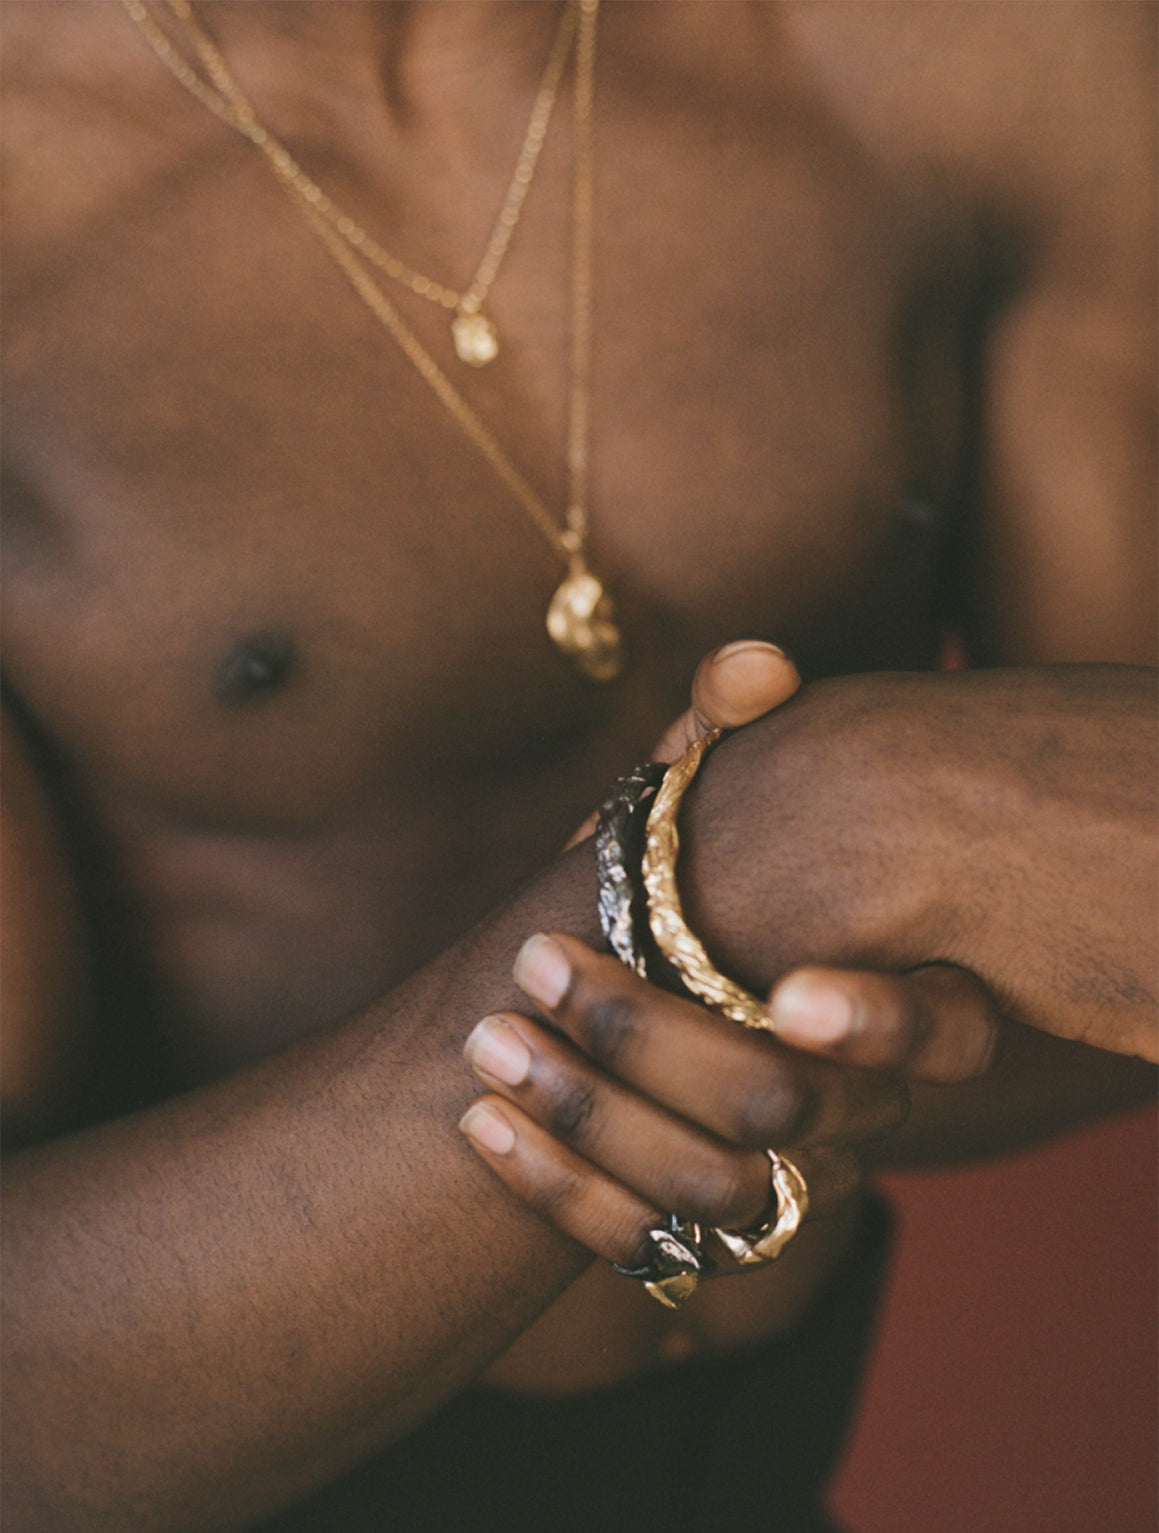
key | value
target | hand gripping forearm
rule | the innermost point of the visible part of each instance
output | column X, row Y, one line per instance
column 227, row 1300
column 1003, row 821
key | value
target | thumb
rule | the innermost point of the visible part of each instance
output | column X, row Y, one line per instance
column 733, row 685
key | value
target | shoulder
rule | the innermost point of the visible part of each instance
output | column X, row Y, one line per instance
column 1029, row 104
column 87, row 129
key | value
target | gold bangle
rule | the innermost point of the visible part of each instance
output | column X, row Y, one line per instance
column 752, row 1248
column 680, row 947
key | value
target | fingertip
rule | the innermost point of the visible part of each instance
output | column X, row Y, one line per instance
column 738, row 682
column 542, row 970
column 488, row 1129
column 727, row 652
column 810, row 1009
column 497, row 1050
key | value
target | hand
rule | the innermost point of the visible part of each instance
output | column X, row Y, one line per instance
column 633, row 1104
column 867, row 1017
column 1002, row 821
column 876, row 1020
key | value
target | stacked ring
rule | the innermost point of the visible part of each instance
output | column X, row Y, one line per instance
column 752, row 1248
column 676, row 1265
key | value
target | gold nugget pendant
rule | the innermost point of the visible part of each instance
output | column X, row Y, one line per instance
column 582, row 624
column 476, row 339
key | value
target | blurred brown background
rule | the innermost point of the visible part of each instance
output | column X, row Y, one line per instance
column 1015, row 1382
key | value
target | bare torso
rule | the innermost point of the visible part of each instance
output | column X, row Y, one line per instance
column 278, row 626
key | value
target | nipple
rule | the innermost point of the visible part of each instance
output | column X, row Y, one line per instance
column 256, row 666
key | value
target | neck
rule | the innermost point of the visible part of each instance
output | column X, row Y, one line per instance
column 411, row 48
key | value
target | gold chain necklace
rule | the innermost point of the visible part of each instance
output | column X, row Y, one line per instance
column 474, row 334
column 580, row 619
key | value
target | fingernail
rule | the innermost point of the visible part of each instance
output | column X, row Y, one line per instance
column 741, row 646
column 488, row 1128
column 496, row 1049
column 811, row 1009
column 542, row 970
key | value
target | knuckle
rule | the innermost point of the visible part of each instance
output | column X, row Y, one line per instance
column 975, row 1051
column 962, row 1038
column 632, row 1247
column 774, row 1106
column 608, row 1024
column 570, row 1107
column 553, row 1197
column 716, row 1192
column 984, row 1034
column 985, row 1043
column 859, row 1105
column 907, row 1025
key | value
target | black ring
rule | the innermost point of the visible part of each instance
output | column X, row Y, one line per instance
column 676, row 1250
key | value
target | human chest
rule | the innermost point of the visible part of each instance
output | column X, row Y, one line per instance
column 257, row 482
column 281, row 619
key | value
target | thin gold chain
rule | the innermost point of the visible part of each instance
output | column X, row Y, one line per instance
column 388, row 316
column 580, row 618
column 579, row 383
column 225, row 98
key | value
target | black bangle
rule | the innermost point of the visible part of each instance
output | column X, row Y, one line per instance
column 619, row 851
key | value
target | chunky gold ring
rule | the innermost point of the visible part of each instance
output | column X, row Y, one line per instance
column 684, row 951
column 750, row 1248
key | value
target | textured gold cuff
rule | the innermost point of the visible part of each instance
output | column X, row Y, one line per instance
column 684, row 951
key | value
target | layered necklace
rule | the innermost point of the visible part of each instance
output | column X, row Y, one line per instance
column 579, row 618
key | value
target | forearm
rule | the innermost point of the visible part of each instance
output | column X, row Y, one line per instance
column 217, row 1304
column 1038, row 1087
column 222, row 1302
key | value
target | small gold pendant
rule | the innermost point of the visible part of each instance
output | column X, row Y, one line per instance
column 476, row 340
column 580, row 620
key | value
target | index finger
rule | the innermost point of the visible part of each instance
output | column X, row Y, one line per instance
column 937, row 1023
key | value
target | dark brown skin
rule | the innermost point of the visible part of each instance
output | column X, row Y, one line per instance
column 872, row 360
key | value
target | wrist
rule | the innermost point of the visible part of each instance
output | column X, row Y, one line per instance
column 798, row 838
